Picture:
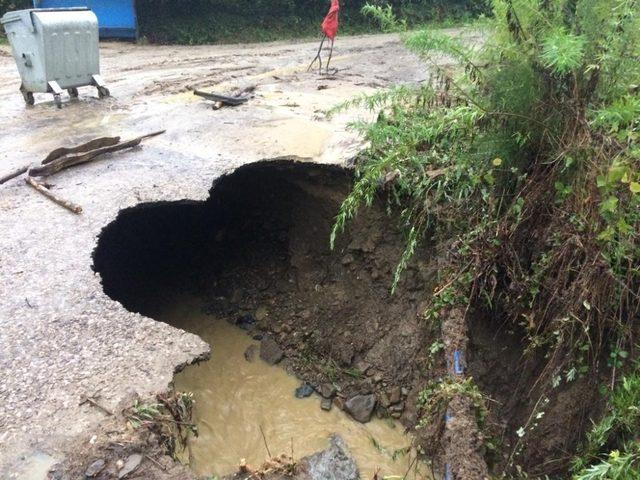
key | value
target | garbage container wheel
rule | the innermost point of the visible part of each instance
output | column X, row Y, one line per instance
column 103, row 92
column 57, row 99
column 28, row 98
column 73, row 92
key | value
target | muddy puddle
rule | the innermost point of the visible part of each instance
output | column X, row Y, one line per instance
column 236, row 397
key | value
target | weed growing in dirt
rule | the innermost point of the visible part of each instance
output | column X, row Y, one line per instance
column 522, row 158
column 619, row 426
column 170, row 418
column 143, row 413
column 434, row 349
column 435, row 398
column 334, row 372
column 617, row 466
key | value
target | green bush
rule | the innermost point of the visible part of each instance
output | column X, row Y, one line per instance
column 616, row 434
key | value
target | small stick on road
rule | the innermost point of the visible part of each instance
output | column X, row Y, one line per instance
column 77, row 209
column 156, row 462
column 264, row 439
column 14, row 174
column 91, row 401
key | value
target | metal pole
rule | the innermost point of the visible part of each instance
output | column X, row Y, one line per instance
column 318, row 57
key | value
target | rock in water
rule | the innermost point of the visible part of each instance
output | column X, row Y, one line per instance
column 250, row 353
column 334, row 463
column 270, row 352
column 303, row 391
column 361, row 407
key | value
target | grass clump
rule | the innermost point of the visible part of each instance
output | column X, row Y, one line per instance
column 434, row 399
column 616, row 434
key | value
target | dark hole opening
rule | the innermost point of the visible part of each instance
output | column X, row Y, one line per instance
column 262, row 238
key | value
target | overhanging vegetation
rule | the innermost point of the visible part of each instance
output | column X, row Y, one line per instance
column 524, row 162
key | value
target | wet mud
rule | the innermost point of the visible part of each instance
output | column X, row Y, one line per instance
column 240, row 397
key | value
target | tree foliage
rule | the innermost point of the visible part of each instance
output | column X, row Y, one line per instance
column 208, row 21
column 201, row 21
column 8, row 5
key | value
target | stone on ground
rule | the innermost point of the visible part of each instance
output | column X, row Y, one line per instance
column 132, row 462
column 270, row 352
column 361, row 407
column 334, row 463
column 303, row 391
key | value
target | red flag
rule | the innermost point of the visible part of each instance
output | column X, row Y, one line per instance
column 330, row 22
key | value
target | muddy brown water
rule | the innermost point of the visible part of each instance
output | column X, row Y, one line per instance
column 235, row 397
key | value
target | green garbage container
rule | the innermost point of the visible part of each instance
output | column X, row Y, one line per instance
column 54, row 50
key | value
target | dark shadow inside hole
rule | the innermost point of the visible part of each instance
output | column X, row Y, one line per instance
column 262, row 239
column 246, row 223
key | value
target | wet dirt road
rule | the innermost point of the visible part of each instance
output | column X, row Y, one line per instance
column 151, row 88
column 60, row 336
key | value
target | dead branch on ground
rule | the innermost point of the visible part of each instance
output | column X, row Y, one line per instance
column 39, row 187
column 59, row 152
column 66, row 157
column 85, row 157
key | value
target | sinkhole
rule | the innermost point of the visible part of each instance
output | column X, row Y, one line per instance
column 253, row 262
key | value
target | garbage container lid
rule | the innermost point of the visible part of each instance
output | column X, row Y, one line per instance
column 18, row 14
column 24, row 15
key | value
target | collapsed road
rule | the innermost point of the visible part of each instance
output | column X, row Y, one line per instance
column 62, row 337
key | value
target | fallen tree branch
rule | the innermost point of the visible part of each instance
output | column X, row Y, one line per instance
column 59, row 152
column 85, row 147
column 91, row 401
column 224, row 99
column 159, row 465
column 73, row 159
column 14, row 174
column 77, row 209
